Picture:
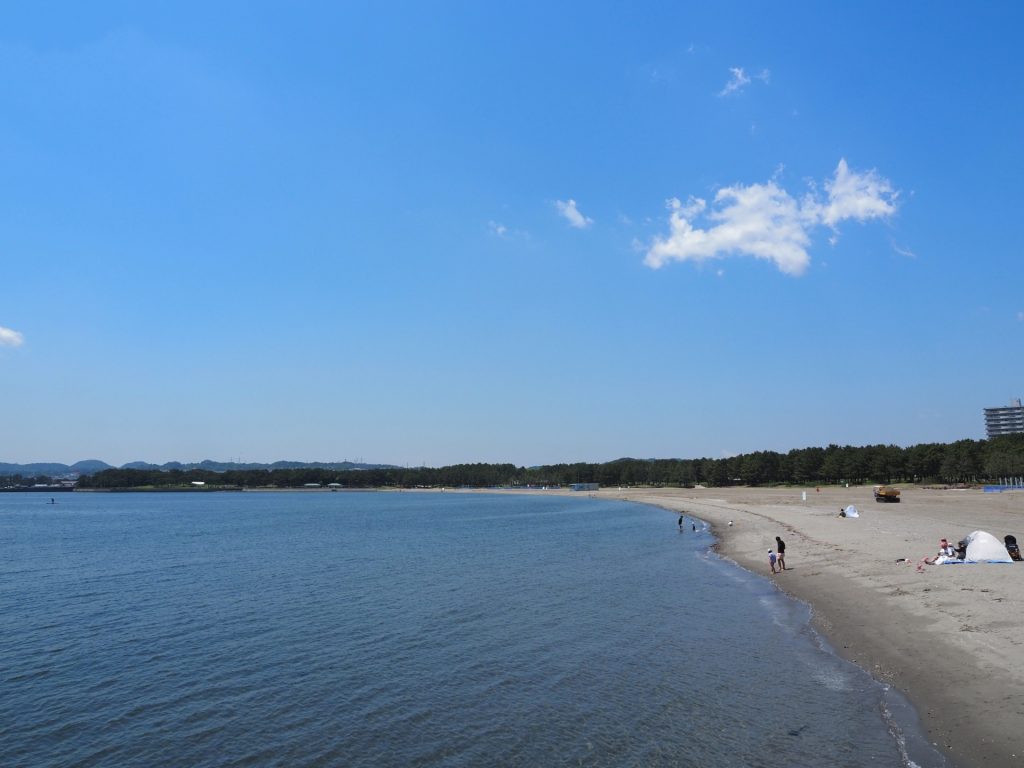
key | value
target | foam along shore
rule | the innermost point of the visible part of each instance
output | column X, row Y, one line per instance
column 951, row 638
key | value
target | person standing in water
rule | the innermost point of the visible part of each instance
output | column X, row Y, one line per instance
column 680, row 523
column 782, row 553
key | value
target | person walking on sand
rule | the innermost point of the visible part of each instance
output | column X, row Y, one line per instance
column 771, row 560
column 782, row 553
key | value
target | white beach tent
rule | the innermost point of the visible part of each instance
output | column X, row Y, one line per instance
column 985, row 548
column 851, row 511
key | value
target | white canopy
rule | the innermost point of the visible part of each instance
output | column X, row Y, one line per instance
column 851, row 511
column 983, row 547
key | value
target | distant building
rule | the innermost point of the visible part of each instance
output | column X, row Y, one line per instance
column 584, row 486
column 1005, row 421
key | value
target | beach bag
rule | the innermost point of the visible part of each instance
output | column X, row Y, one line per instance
column 1011, row 547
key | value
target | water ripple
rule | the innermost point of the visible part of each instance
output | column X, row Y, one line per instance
column 407, row 630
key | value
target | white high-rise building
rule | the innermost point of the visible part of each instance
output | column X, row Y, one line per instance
column 1005, row 421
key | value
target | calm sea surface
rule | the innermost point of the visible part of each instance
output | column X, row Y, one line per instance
column 404, row 629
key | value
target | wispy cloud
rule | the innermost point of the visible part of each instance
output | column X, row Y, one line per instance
column 739, row 79
column 737, row 82
column 572, row 214
column 502, row 231
column 1020, row 316
column 766, row 222
column 9, row 338
column 904, row 251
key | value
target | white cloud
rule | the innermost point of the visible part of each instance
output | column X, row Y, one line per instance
column 497, row 228
column 739, row 80
column 766, row 222
column 573, row 214
column 760, row 220
column 904, row 251
column 859, row 196
column 9, row 338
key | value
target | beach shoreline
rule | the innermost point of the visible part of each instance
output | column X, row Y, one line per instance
column 946, row 638
column 949, row 639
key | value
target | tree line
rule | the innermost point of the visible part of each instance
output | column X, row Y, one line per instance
column 964, row 461
column 21, row 481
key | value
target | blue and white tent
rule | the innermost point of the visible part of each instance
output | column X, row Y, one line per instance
column 983, row 547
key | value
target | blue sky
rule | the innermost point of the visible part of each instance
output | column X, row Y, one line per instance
column 429, row 233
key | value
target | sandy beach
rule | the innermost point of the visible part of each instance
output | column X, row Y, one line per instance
column 951, row 638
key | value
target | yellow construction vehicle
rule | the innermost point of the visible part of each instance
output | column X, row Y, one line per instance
column 887, row 493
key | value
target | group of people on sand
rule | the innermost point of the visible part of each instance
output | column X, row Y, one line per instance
column 777, row 561
column 776, row 557
column 987, row 549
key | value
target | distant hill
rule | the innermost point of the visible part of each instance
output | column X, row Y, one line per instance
column 53, row 469
column 92, row 466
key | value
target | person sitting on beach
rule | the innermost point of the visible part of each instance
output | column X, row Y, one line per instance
column 947, row 552
column 771, row 560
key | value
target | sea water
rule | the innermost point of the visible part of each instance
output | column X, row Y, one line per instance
column 409, row 629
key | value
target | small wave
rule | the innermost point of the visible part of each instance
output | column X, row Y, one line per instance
column 25, row 676
column 834, row 680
